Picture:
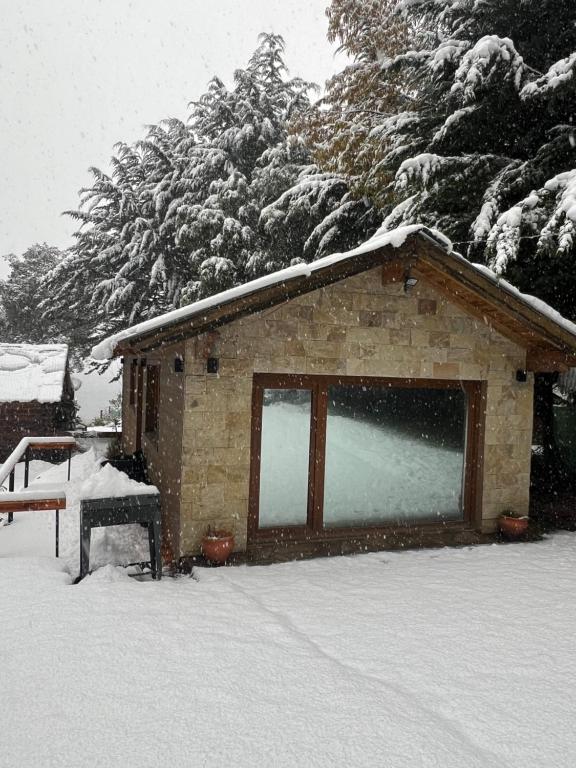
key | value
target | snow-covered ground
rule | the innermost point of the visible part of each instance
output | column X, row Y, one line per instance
column 455, row 658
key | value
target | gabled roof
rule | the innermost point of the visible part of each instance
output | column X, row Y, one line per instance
column 32, row 372
column 549, row 338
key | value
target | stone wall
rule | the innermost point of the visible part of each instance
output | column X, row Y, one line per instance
column 163, row 449
column 358, row 327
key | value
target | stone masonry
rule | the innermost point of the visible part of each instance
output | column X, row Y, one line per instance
column 357, row 327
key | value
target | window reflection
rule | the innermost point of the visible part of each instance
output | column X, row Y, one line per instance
column 285, row 449
column 393, row 455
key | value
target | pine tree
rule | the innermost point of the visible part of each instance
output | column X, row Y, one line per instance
column 199, row 207
column 488, row 154
column 21, row 294
column 342, row 128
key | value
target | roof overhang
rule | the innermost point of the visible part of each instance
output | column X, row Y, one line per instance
column 550, row 340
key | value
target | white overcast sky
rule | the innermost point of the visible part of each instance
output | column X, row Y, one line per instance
column 76, row 76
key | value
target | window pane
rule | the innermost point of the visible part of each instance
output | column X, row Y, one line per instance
column 284, row 457
column 394, row 455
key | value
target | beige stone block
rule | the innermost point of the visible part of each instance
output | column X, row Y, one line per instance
column 336, row 316
column 315, row 330
column 400, row 337
column 370, row 318
column 193, row 476
column 336, row 334
column 232, row 455
column 446, row 370
column 419, row 337
column 195, row 386
column 440, row 339
column 281, row 329
column 471, row 372
column 216, row 473
column 368, row 335
column 326, row 349
column 237, row 492
column 238, row 473
column 295, row 348
column 324, row 365
column 230, row 366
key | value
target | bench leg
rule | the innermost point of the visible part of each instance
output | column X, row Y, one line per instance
column 155, row 552
column 85, row 533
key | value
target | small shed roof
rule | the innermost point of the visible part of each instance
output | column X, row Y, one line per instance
column 32, row 372
column 549, row 338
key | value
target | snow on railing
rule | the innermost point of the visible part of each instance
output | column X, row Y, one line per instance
column 23, row 501
column 32, row 442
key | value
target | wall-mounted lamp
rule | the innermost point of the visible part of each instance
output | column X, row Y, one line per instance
column 178, row 364
column 521, row 376
column 212, row 365
column 409, row 282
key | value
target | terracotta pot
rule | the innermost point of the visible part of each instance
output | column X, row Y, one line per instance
column 513, row 528
column 218, row 547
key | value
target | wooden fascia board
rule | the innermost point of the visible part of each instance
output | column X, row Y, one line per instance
column 546, row 361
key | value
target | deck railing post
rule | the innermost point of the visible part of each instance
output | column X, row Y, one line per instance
column 26, row 467
column 57, row 532
column 10, row 489
column 69, row 462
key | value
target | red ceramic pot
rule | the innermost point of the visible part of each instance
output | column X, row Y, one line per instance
column 218, row 547
column 513, row 528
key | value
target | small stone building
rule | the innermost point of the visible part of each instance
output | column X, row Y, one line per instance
column 377, row 398
column 36, row 393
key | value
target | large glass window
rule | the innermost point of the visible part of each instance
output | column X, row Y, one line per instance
column 393, row 455
column 332, row 453
column 284, row 457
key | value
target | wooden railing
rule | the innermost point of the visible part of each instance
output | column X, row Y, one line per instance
column 29, row 501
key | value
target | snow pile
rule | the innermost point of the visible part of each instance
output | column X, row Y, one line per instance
column 109, row 482
column 32, row 533
column 453, row 658
column 32, row 372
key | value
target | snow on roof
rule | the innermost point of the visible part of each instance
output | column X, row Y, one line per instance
column 32, row 372
column 395, row 238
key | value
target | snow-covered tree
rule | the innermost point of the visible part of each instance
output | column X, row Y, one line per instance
column 493, row 152
column 199, row 207
column 480, row 141
column 340, row 128
column 22, row 292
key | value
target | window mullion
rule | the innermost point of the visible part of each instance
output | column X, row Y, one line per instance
column 318, row 456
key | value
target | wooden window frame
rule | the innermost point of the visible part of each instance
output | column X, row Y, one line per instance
column 152, row 415
column 318, row 385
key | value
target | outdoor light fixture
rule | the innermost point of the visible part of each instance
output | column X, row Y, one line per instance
column 212, row 365
column 521, row 376
column 178, row 364
column 409, row 281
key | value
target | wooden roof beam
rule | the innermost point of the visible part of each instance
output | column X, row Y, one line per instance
column 546, row 361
